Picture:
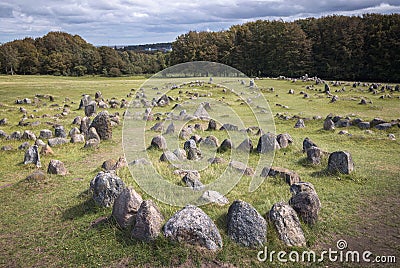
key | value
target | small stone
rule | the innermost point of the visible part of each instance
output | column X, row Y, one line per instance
column 168, row 156
column 57, row 141
column 212, row 125
column 329, row 124
column 7, row 148
column 192, row 180
column 60, row 132
column 180, row 154
column 92, row 143
column 24, row 146
column 307, row 205
column 364, row 125
column 32, row 156
column 226, row 145
column 28, row 135
column 201, row 112
column 289, row 176
column 241, row 167
column 92, row 134
column 109, row 164
column 16, row 135
column 158, row 127
column 85, row 125
column 246, row 146
column 392, row 137
column 267, row 143
column 56, row 167
column 307, row 143
column 300, row 123
column 159, row 142
column 383, row 126
column 170, row 129
column 77, row 138
column 40, row 143
column 284, row 140
column 46, row 150
column 215, row 197
column 229, row 127
column 210, row 141
column 45, row 134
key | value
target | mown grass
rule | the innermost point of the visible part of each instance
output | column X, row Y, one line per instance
column 48, row 224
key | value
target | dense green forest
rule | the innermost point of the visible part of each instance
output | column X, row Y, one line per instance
column 335, row 47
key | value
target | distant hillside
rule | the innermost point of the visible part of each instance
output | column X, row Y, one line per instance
column 162, row 47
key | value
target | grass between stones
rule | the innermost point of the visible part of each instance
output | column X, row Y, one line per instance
column 48, row 223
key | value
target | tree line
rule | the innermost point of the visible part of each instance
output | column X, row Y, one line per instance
column 59, row 53
column 335, row 47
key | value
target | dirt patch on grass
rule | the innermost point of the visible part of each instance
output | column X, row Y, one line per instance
column 377, row 231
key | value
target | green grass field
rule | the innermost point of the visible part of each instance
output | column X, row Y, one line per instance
column 48, row 223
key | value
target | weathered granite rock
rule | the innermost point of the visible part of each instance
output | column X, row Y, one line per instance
column 241, row 167
column 267, row 143
column 215, row 197
column 287, row 224
column 53, row 142
column 56, row 167
column 212, row 125
column 32, row 156
column 300, row 123
column 284, row 140
column 193, row 226
column 28, row 135
column 106, row 186
column 289, row 176
column 340, row 162
column 125, row 207
column 45, row 134
column 307, row 143
column 246, row 146
column 60, row 132
column 226, row 145
column 159, row 142
column 149, row 221
column 102, row 124
column 192, row 180
column 245, row 225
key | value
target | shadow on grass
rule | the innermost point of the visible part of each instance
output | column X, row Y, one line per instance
column 88, row 206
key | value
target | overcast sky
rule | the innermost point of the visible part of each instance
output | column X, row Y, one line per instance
column 121, row 22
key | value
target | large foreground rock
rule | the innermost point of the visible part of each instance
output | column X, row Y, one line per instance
column 193, row 226
column 340, row 162
column 305, row 202
column 287, row 224
column 245, row 225
column 149, row 221
column 125, row 207
column 102, row 124
column 106, row 187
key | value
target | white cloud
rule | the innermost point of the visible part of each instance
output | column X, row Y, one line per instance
column 138, row 21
